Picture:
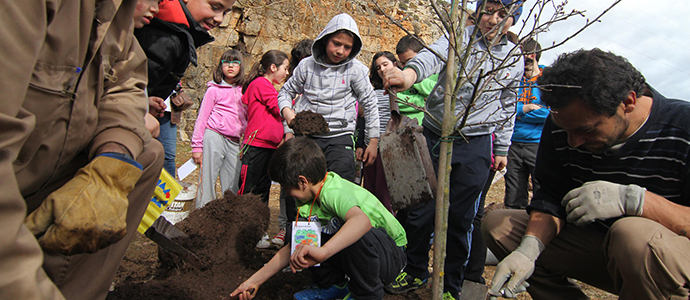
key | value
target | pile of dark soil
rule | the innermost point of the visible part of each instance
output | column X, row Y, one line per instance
column 309, row 123
column 223, row 235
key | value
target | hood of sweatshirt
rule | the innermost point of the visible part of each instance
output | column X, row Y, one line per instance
column 341, row 21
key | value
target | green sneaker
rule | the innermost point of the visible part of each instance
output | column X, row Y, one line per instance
column 448, row 296
column 348, row 297
column 404, row 283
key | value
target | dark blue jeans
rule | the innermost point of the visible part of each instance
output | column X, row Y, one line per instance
column 470, row 169
column 168, row 137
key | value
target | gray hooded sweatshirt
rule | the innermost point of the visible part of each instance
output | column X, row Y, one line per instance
column 494, row 110
column 333, row 90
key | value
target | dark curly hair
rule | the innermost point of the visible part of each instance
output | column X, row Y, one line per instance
column 298, row 156
column 601, row 79
column 374, row 77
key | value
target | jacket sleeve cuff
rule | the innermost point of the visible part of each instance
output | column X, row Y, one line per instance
column 500, row 150
column 121, row 136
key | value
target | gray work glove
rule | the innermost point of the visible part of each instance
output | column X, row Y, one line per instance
column 601, row 200
column 512, row 271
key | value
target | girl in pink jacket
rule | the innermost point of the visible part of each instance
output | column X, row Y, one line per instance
column 219, row 127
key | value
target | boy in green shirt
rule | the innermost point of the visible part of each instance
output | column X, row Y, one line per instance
column 360, row 238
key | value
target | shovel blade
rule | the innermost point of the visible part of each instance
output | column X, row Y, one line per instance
column 162, row 233
column 407, row 164
column 473, row 291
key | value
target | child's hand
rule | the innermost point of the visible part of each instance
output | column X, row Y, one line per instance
column 370, row 154
column 157, row 106
column 359, row 153
column 530, row 107
column 197, row 157
column 286, row 138
column 288, row 114
column 397, row 80
column 306, row 256
column 245, row 291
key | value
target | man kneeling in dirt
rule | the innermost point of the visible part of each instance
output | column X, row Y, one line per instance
column 613, row 207
column 74, row 152
column 360, row 238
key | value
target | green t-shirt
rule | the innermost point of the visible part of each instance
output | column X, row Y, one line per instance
column 338, row 196
column 417, row 95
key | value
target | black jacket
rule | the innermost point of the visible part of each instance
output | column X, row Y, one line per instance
column 170, row 47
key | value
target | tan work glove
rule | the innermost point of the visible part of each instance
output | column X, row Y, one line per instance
column 89, row 212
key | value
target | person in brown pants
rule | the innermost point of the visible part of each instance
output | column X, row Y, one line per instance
column 78, row 166
column 613, row 209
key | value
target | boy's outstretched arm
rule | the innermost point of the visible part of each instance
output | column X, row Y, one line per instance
column 356, row 225
column 399, row 80
column 247, row 290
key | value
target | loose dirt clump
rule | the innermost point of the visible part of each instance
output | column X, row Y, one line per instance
column 223, row 235
column 309, row 123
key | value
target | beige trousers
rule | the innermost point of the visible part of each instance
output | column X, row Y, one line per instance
column 636, row 259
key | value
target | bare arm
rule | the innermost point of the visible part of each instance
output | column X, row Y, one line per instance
column 673, row 216
column 543, row 226
column 356, row 225
column 288, row 114
column 247, row 290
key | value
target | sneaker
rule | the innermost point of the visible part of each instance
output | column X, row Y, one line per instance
column 327, row 293
column 404, row 283
column 263, row 243
column 279, row 239
column 448, row 296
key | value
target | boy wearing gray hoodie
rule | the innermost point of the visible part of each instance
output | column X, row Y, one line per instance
column 331, row 82
column 493, row 111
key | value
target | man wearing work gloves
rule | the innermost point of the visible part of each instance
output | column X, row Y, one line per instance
column 78, row 166
column 613, row 207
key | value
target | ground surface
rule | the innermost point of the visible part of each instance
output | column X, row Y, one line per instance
column 223, row 235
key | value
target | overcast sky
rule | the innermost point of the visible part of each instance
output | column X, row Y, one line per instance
column 652, row 35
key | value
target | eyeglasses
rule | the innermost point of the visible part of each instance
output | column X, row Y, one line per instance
column 231, row 63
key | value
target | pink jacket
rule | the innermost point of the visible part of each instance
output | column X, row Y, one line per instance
column 264, row 123
column 221, row 111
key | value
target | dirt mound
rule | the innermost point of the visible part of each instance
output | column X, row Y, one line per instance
column 309, row 123
column 223, row 235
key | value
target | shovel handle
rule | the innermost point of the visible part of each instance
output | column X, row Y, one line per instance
column 395, row 111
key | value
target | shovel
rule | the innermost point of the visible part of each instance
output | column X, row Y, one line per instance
column 473, row 291
column 162, row 232
column 406, row 161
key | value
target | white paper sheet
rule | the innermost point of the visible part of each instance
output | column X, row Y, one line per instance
column 186, row 169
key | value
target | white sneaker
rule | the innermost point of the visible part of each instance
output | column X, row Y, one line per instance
column 263, row 243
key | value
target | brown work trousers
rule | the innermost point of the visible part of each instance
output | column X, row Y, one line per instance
column 89, row 276
column 636, row 259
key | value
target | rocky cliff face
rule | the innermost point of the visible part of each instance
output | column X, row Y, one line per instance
column 256, row 26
